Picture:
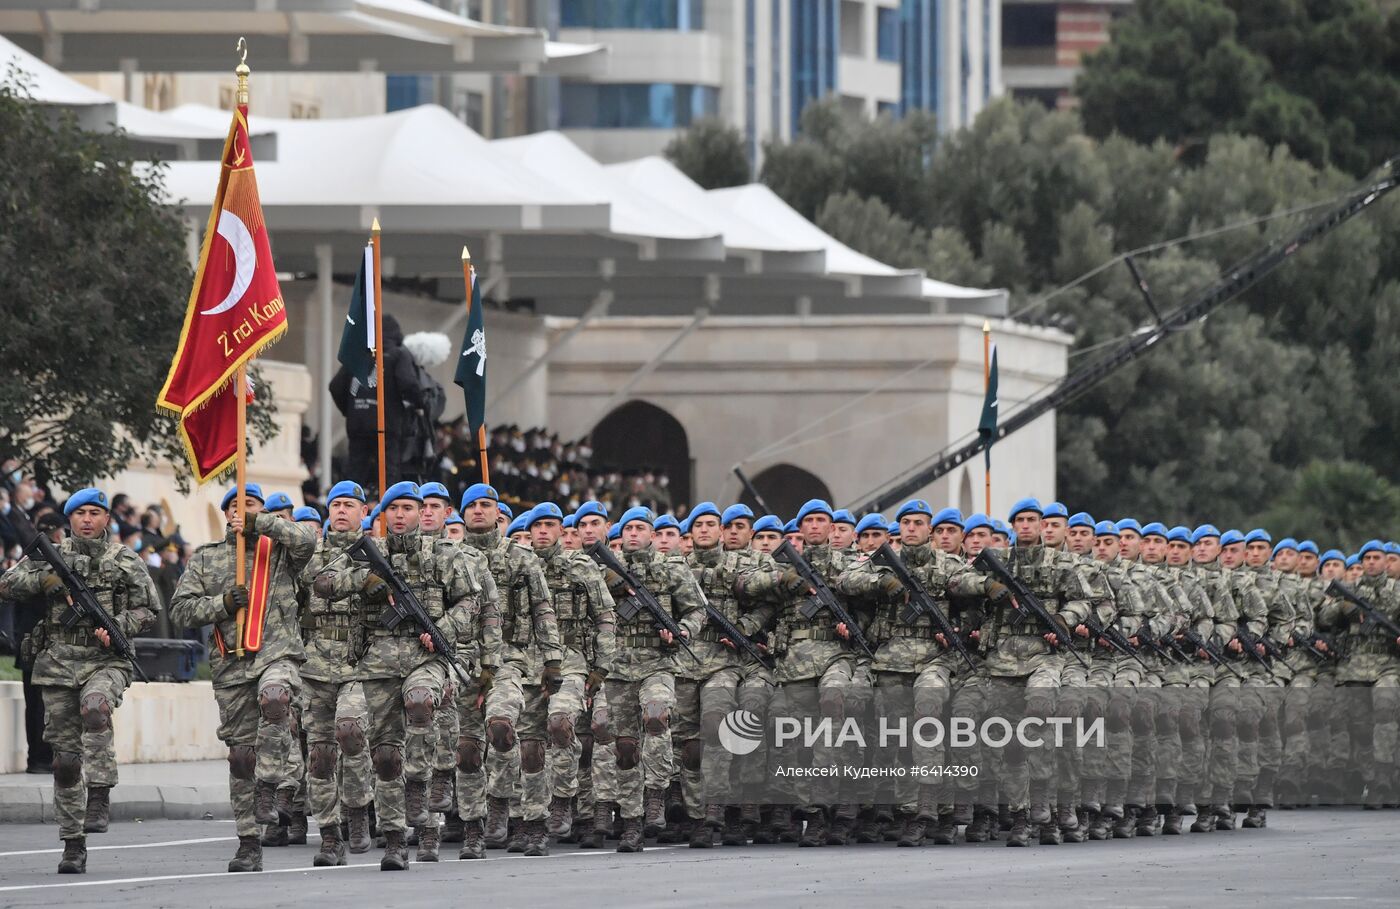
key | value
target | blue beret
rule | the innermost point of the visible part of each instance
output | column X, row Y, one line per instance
column 1205, row 530
column 1393, row 547
column 738, row 511
column 346, row 489
column 1105, row 529
column 813, row 506
column 615, row 532
column 1371, row 546
column 948, row 516
column 976, row 520
column 479, row 491
column 590, row 508
column 278, row 501
column 407, row 489
column 520, row 523
column 872, row 522
column 1231, row 537
column 768, row 523
column 894, row 528
column 306, row 513
column 1179, row 533
column 1308, row 546
column 1353, row 559
column 703, row 509
column 252, row 489
column 542, row 511
column 790, row 526
column 89, row 496
column 1286, row 543
column 639, row 513
column 1331, row 554
column 369, row 519
column 685, row 524
column 505, row 509
column 1156, row 528
column 666, row 520
column 1055, row 510
column 1001, row 527
column 1258, row 534
column 1081, row 519
column 1029, row 503
column 1128, row 524
column 454, row 518
column 844, row 516
column 434, row 490
column 571, row 520
column 914, row 506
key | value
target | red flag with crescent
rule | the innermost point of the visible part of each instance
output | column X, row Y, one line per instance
column 235, row 310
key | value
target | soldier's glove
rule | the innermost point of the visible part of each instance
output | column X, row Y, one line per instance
column 235, row 598
column 595, row 681
column 553, row 677
column 484, row 679
column 792, row 581
column 50, row 583
column 612, row 579
column 890, row 587
column 997, row 592
column 250, row 527
column 375, row 589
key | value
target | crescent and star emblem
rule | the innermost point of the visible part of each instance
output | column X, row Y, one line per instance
column 245, row 260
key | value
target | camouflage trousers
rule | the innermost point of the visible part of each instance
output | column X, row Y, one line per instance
column 471, row 751
column 1315, row 734
column 931, row 688
column 638, row 721
column 250, row 720
column 337, row 735
column 845, row 688
column 83, row 754
column 390, row 725
column 748, row 688
column 566, row 739
column 1261, row 747
column 1375, row 733
column 1013, row 775
column 596, row 760
column 424, row 753
column 1184, row 731
column 1223, row 750
column 516, row 718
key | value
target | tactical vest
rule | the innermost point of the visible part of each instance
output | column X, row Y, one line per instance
column 570, row 598
column 1039, row 569
column 639, row 631
column 715, row 572
column 793, row 626
column 95, row 561
column 416, row 560
column 926, row 568
column 1370, row 640
column 512, row 587
column 322, row 619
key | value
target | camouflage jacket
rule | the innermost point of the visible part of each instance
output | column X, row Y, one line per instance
column 908, row 647
column 1368, row 651
column 1194, row 611
column 529, row 627
column 583, row 609
column 1278, row 595
column 1224, row 611
column 331, row 630
column 1160, row 610
column 1058, row 579
column 640, row 651
column 807, row 647
column 741, row 584
column 67, row 657
column 199, row 598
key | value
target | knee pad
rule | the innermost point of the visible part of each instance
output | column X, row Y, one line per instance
column 469, row 756
column 656, row 718
column 501, row 733
column 691, row 754
column 275, row 703
column 601, row 732
column 96, row 712
column 322, row 759
column 1014, row 754
column 67, row 769
column 709, row 727
column 833, row 705
column 242, row 761
column 561, row 730
column 1044, row 705
column 1190, row 725
column 1143, row 722
column 388, row 762
column 418, row 706
column 628, row 753
column 1222, row 726
column 1119, row 716
column 532, row 755
column 585, row 752
column 350, row 735
column 1268, row 723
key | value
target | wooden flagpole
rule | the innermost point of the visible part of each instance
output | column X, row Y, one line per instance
column 469, row 275
column 240, row 390
column 986, row 382
column 374, row 240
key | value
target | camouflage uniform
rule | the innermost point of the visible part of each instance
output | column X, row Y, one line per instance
column 1092, row 693
column 1327, row 723
column 1282, row 612
column 1223, row 752
column 255, row 693
column 1307, row 692
column 81, row 681
column 1156, row 736
column 1265, row 615
column 483, row 652
column 1188, row 700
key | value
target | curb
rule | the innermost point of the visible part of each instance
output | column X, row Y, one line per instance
column 34, row 804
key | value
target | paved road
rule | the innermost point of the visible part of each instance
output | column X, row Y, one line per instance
column 1306, row 857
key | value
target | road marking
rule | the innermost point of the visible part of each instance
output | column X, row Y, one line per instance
column 207, row 839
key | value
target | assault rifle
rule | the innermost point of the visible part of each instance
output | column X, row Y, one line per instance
column 1027, row 602
column 822, row 597
column 1374, row 617
column 640, row 598
column 920, row 603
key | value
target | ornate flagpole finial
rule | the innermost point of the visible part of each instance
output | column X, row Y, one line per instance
column 374, row 228
column 241, row 70
column 986, row 326
column 466, row 254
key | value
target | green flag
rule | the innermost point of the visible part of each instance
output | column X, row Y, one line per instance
column 471, row 365
column 357, row 338
column 987, row 426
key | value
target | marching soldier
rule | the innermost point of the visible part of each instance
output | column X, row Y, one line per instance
column 81, row 679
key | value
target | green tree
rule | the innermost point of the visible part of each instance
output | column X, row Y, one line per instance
column 711, row 153
column 1341, row 504
column 96, row 281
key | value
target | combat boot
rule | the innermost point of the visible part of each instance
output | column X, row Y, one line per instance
column 561, row 816
column 751, row 816
column 536, row 838
column 473, row 840
column 357, row 822
column 842, row 822
column 74, row 859
column 1256, row 819
column 1204, row 823
column 1224, row 817
column 428, row 840
column 518, row 840
column 654, row 811
column 1080, row 831
column 913, row 833
column 297, row 829
column 678, row 830
column 332, row 852
column 1147, row 821
column 440, row 793
column 1100, row 826
column 497, row 822
column 702, row 835
column 99, row 809
column 767, row 829
column 265, row 803
column 788, row 824
column 1039, row 814
column 981, row 827
column 631, row 839
column 868, row 827
column 1126, row 828
column 1020, row 833
column 395, row 852
column 451, row 828
column 735, row 833
column 945, row 832
column 602, row 822
column 814, row 834
column 415, row 801
column 249, row 855
column 1066, row 820
column 1171, row 823
column 274, row 835
column 282, row 802
column 1050, row 834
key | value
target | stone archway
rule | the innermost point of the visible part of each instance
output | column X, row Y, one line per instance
column 785, row 487
column 638, row 435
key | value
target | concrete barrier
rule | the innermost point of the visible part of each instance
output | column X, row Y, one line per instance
column 157, row 722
